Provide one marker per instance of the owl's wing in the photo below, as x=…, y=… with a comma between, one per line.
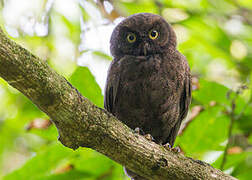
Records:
x=185, y=100
x=111, y=89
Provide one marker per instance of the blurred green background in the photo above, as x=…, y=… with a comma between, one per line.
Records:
x=73, y=38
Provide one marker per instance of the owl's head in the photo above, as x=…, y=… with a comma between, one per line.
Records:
x=142, y=35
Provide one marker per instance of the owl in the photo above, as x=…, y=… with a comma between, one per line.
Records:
x=149, y=82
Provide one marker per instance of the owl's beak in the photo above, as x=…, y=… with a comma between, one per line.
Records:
x=145, y=48
x=145, y=51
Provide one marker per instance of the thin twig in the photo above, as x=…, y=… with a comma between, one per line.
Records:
x=160, y=6
x=232, y=116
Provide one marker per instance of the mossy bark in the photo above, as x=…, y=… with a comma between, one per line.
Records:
x=81, y=124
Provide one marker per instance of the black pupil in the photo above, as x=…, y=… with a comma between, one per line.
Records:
x=131, y=37
x=153, y=33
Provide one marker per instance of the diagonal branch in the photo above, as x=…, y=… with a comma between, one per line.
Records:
x=82, y=124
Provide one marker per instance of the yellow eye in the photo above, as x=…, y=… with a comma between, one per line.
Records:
x=153, y=34
x=131, y=37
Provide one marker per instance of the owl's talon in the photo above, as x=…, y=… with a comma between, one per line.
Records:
x=139, y=131
x=167, y=146
x=176, y=149
x=149, y=137
x=170, y=148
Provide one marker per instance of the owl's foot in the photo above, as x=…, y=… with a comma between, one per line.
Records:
x=149, y=137
x=168, y=147
x=138, y=130
x=141, y=132
x=176, y=149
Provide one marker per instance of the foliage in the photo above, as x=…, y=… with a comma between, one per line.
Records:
x=216, y=38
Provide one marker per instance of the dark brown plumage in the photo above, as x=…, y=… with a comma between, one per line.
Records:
x=149, y=82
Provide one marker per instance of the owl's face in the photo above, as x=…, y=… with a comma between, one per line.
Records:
x=142, y=34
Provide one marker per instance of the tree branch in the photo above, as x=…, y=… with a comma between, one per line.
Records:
x=82, y=124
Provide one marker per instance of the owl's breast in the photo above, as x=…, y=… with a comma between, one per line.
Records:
x=145, y=82
x=139, y=67
x=147, y=93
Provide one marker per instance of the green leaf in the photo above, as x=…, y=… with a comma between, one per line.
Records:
x=245, y=3
x=73, y=27
x=42, y=164
x=49, y=134
x=211, y=91
x=240, y=163
x=205, y=133
x=88, y=160
x=138, y=7
x=16, y=111
x=72, y=174
x=85, y=82
x=102, y=55
x=250, y=139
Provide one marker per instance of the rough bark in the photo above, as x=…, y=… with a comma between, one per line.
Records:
x=82, y=124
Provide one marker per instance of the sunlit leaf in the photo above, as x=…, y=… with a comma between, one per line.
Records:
x=85, y=82
x=102, y=55
x=74, y=174
x=211, y=91
x=133, y=7
x=97, y=164
x=42, y=163
x=206, y=132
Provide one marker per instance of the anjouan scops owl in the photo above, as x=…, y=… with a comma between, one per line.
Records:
x=149, y=81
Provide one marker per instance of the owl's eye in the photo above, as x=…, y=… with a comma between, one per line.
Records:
x=131, y=37
x=153, y=34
